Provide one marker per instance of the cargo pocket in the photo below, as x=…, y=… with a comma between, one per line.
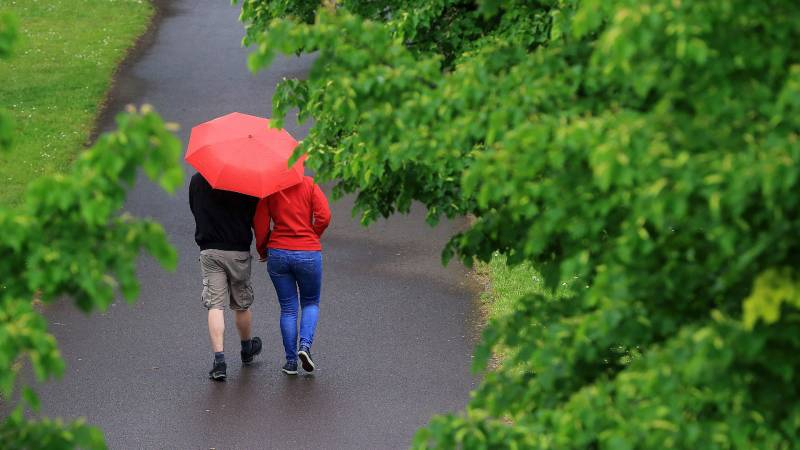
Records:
x=205, y=296
x=244, y=297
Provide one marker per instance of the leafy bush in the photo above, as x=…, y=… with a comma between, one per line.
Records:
x=68, y=238
x=644, y=152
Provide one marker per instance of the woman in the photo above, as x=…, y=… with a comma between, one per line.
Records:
x=299, y=216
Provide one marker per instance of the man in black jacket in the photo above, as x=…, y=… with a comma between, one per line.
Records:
x=223, y=221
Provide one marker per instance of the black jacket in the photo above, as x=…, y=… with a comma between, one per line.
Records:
x=223, y=219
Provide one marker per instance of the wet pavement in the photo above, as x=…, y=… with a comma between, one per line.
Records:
x=394, y=339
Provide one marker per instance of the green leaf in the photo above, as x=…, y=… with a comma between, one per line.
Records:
x=31, y=398
x=772, y=289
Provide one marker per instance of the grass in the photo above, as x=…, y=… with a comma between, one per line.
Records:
x=57, y=79
x=505, y=285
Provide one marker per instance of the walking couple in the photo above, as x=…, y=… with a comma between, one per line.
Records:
x=224, y=226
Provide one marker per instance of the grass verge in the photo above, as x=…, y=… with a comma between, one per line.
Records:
x=504, y=285
x=56, y=81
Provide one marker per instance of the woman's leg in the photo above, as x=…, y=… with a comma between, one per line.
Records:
x=308, y=272
x=286, y=289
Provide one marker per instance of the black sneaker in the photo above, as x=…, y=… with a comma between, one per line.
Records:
x=290, y=368
x=255, y=348
x=305, y=358
x=219, y=371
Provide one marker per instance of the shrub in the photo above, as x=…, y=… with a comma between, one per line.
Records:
x=644, y=152
x=68, y=239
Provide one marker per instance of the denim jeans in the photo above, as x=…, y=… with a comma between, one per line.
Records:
x=292, y=271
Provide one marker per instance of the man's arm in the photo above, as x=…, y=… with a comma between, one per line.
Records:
x=261, y=221
x=192, y=188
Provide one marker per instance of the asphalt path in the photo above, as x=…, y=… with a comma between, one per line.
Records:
x=396, y=329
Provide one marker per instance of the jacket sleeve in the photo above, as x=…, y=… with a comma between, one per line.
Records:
x=261, y=221
x=191, y=196
x=321, y=210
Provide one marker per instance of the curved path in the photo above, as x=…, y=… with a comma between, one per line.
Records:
x=394, y=339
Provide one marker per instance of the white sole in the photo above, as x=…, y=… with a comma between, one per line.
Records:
x=289, y=372
x=306, y=360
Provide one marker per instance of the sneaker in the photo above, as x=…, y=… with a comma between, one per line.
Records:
x=305, y=358
x=218, y=372
x=290, y=368
x=255, y=349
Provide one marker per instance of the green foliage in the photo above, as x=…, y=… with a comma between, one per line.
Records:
x=259, y=13
x=68, y=238
x=86, y=239
x=18, y=433
x=771, y=290
x=645, y=153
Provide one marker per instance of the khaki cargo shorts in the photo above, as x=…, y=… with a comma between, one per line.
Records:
x=226, y=278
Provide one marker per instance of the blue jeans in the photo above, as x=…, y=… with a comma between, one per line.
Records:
x=292, y=271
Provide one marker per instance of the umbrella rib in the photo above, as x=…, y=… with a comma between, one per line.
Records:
x=219, y=175
x=264, y=182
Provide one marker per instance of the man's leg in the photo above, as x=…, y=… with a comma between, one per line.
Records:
x=215, y=291
x=243, y=324
x=241, y=290
x=216, y=328
x=216, y=331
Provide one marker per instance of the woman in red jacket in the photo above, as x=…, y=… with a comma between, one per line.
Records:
x=292, y=249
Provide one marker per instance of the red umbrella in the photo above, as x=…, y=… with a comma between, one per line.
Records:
x=239, y=152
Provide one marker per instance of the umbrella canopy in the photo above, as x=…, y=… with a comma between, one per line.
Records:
x=239, y=152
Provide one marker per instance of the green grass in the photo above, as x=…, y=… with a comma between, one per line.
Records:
x=504, y=285
x=57, y=79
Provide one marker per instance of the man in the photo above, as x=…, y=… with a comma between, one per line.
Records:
x=222, y=231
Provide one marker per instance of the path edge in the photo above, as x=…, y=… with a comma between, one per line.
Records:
x=105, y=113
